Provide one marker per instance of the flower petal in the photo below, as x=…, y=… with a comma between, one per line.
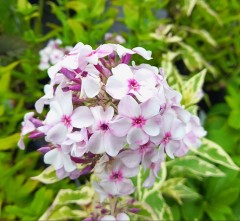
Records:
x=57, y=134
x=82, y=117
x=150, y=108
x=152, y=126
x=116, y=87
x=137, y=136
x=129, y=107
x=120, y=127
x=113, y=144
x=91, y=86
x=96, y=143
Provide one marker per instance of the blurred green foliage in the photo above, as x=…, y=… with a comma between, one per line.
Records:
x=187, y=37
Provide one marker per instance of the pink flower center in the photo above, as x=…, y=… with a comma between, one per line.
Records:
x=104, y=126
x=138, y=121
x=166, y=138
x=133, y=84
x=66, y=120
x=84, y=74
x=116, y=176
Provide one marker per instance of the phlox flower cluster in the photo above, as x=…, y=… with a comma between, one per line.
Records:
x=52, y=54
x=109, y=117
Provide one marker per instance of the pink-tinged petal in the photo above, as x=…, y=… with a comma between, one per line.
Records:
x=171, y=148
x=64, y=99
x=53, y=157
x=125, y=187
x=92, y=59
x=100, y=115
x=27, y=128
x=152, y=126
x=52, y=71
x=55, y=114
x=91, y=86
x=144, y=93
x=167, y=121
x=157, y=139
x=123, y=217
x=21, y=144
x=122, y=50
x=110, y=187
x=143, y=52
x=104, y=50
x=70, y=62
x=178, y=130
x=137, y=136
x=39, y=105
x=122, y=71
x=96, y=143
x=113, y=144
x=145, y=77
x=69, y=166
x=130, y=158
x=130, y=172
x=129, y=107
x=116, y=87
x=149, y=181
x=82, y=117
x=120, y=126
x=101, y=192
x=57, y=134
x=108, y=218
x=150, y=108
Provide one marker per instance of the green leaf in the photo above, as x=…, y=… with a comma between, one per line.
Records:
x=196, y=166
x=189, y=6
x=215, y=153
x=204, y=35
x=48, y=176
x=9, y=142
x=192, y=210
x=192, y=89
x=80, y=197
x=66, y=213
x=175, y=188
x=207, y=9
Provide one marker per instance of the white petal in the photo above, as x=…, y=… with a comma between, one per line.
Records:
x=39, y=105
x=54, y=158
x=178, y=130
x=129, y=107
x=96, y=143
x=100, y=115
x=152, y=126
x=143, y=52
x=122, y=50
x=130, y=158
x=91, y=86
x=82, y=117
x=123, y=217
x=55, y=114
x=108, y=218
x=52, y=71
x=150, y=108
x=122, y=71
x=69, y=166
x=113, y=144
x=57, y=134
x=116, y=87
x=171, y=148
x=137, y=136
x=64, y=99
x=120, y=126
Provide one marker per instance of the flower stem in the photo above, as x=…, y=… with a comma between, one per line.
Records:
x=113, y=205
